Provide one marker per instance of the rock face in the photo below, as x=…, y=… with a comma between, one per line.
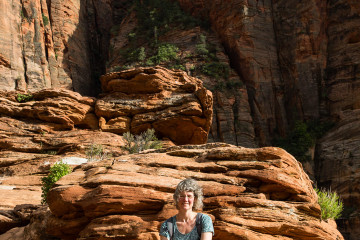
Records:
x=41, y=50
x=287, y=60
x=176, y=105
x=338, y=168
x=56, y=106
x=258, y=193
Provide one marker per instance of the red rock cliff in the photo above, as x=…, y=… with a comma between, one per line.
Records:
x=286, y=60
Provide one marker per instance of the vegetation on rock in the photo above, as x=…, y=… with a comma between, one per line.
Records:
x=302, y=137
x=57, y=171
x=96, y=152
x=21, y=98
x=145, y=47
x=138, y=143
x=330, y=203
x=45, y=20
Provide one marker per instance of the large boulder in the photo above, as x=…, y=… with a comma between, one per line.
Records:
x=249, y=193
x=176, y=105
x=59, y=108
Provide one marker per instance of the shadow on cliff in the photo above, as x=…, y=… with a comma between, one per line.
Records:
x=86, y=50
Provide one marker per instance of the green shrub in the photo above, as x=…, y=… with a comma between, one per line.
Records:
x=156, y=17
x=216, y=69
x=57, y=171
x=298, y=142
x=201, y=48
x=96, y=152
x=177, y=66
x=302, y=137
x=330, y=203
x=165, y=54
x=21, y=98
x=138, y=143
x=45, y=20
x=50, y=152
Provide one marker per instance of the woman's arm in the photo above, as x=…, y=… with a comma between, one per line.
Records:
x=165, y=238
x=206, y=236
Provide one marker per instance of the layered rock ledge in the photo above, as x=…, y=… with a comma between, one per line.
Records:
x=175, y=104
x=249, y=193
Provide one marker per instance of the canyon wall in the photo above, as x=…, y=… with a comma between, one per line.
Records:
x=287, y=61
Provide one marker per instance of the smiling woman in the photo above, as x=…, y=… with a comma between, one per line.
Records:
x=187, y=224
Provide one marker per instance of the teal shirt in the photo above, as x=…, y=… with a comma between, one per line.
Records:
x=207, y=226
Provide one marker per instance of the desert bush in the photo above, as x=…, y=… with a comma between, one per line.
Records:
x=165, y=53
x=156, y=17
x=21, y=98
x=45, y=20
x=138, y=143
x=96, y=152
x=201, y=47
x=216, y=69
x=57, y=171
x=302, y=137
x=330, y=203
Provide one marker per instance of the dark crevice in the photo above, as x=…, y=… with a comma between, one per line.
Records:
x=23, y=46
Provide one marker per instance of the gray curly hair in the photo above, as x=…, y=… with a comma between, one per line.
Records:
x=189, y=185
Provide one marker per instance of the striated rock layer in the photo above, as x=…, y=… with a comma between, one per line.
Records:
x=40, y=49
x=297, y=60
x=176, y=105
x=249, y=193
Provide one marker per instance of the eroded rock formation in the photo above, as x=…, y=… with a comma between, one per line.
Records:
x=290, y=60
x=176, y=105
x=254, y=193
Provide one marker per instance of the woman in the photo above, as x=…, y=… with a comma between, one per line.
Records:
x=187, y=225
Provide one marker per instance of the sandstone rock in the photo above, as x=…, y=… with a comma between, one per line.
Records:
x=28, y=149
x=41, y=50
x=259, y=193
x=176, y=105
x=338, y=168
x=62, y=107
x=246, y=31
x=19, y=216
x=232, y=122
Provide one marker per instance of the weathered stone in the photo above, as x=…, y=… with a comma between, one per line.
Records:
x=62, y=107
x=132, y=197
x=338, y=168
x=176, y=105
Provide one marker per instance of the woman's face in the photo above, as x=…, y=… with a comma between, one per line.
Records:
x=186, y=200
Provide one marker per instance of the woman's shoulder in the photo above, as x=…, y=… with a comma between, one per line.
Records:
x=205, y=217
x=169, y=220
x=207, y=224
x=164, y=230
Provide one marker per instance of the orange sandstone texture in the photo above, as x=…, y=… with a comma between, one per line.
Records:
x=249, y=193
x=176, y=105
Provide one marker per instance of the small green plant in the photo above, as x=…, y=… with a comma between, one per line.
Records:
x=21, y=98
x=156, y=17
x=201, y=48
x=96, y=152
x=138, y=143
x=132, y=36
x=165, y=54
x=45, y=20
x=302, y=137
x=57, y=171
x=50, y=152
x=216, y=69
x=330, y=203
x=22, y=14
